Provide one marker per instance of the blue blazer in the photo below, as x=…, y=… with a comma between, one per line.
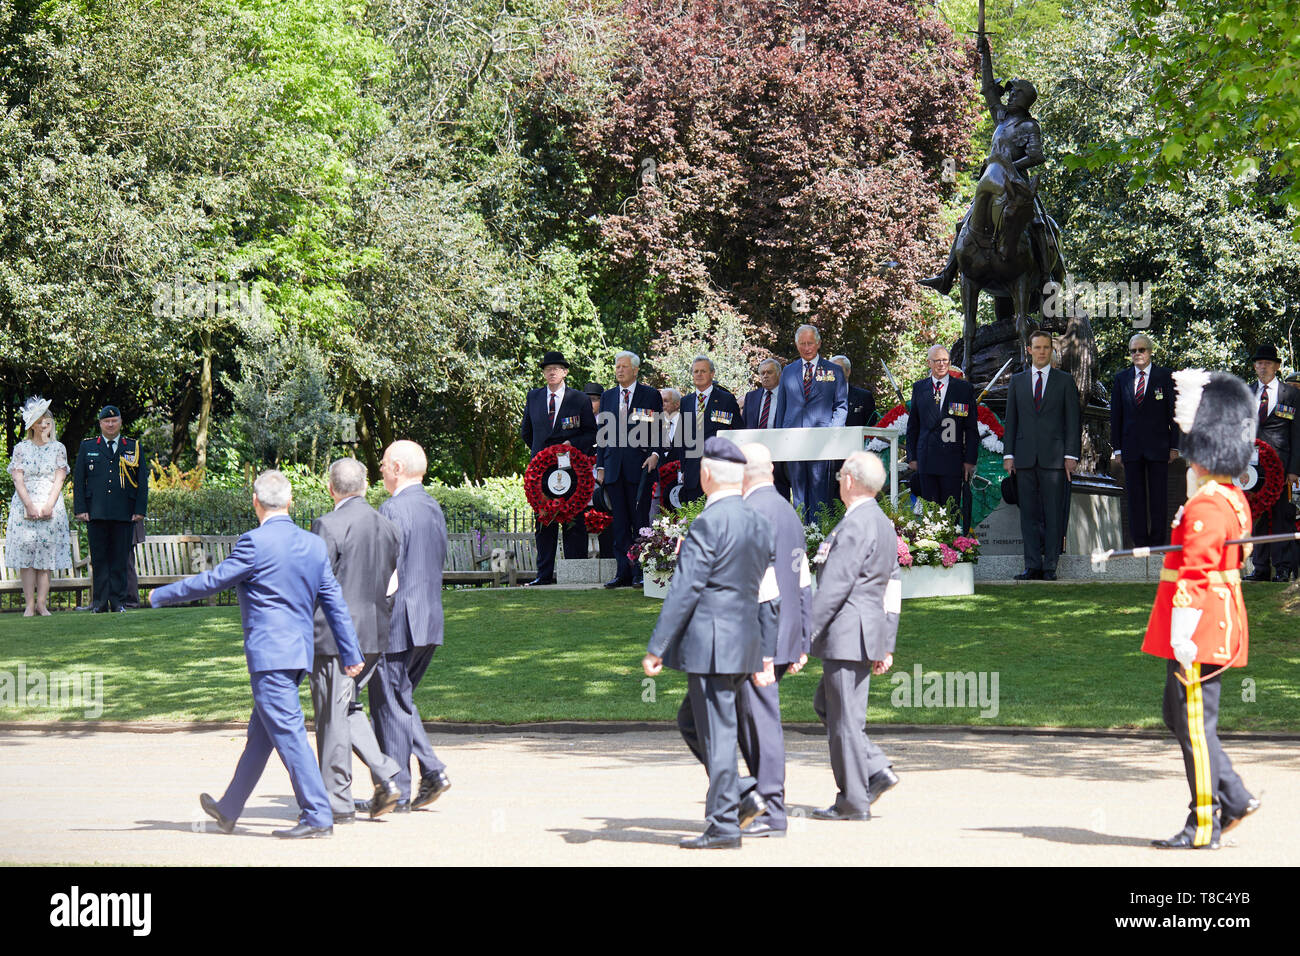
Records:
x=1147, y=430
x=828, y=401
x=279, y=570
x=754, y=407
x=927, y=424
x=416, y=620
x=620, y=461
x=722, y=413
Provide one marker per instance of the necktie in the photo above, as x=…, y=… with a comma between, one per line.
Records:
x=767, y=407
x=938, y=391
x=1141, y=388
x=551, y=409
x=1038, y=392
x=807, y=380
x=1263, y=404
x=626, y=400
x=699, y=413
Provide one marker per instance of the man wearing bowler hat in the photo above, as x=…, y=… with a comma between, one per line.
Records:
x=556, y=415
x=1276, y=407
x=110, y=491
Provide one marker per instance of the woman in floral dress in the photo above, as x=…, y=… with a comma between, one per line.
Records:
x=36, y=540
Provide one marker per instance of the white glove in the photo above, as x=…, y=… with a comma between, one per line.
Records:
x=1182, y=625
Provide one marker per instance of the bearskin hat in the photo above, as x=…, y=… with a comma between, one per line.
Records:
x=1217, y=416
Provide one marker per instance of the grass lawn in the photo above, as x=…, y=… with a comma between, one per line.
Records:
x=1065, y=655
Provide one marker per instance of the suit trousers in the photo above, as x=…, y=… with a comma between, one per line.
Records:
x=941, y=487
x=1042, y=515
x=810, y=486
x=762, y=744
x=342, y=727
x=1146, y=484
x=398, y=726
x=277, y=724
x=1192, y=713
x=630, y=516
x=110, y=550
x=841, y=704
x=1281, y=556
x=707, y=720
x=547, y=537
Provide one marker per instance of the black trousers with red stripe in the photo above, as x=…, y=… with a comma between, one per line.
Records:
x=1192, y=713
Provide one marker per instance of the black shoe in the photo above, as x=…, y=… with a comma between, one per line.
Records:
x=940, y=283
x=752, y=806
x=708, y=840
x=831, y=813
x=638, y=582
x=1030, y=574
x=1183, y=841
x=432, y=786
x=1258, y=575
x=403, y=806
x=224, y=823
x=1282, y=577
x=386, y=796
x=536, y=581
x=880, y=781
x=761, y=829
x=304, y=831
x=618, y=583
x=1049, y=575
x=344, y=818
x=1227, y=821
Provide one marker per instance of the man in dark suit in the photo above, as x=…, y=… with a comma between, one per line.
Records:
x=110, y=491
x=415, y=626
x=706, y=410
x=943, y=439
x=557, y=415
x=1145, y=440
x=1279, y=427
x=762, y=741
x=713, y=629
x=1041, y=448
x=362, y=546
x=761, y=407
x=814, y=394
x=854, y=627
x=627, y=455
x=862, y=401
x=279, y=572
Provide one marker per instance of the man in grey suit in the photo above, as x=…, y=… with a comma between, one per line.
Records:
x=762, y=741
x=362, y=546
x=1041, y=448
x=415, y=626
x=713, y=629
x=854, y=627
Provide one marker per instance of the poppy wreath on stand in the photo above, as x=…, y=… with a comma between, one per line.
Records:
x=1264, y=482
x=555, y=493
x=668, y=474
x=597, y=521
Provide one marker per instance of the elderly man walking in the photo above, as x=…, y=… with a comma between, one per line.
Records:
x=279, y=571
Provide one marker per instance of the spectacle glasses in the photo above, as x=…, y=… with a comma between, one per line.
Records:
x=1136, y=351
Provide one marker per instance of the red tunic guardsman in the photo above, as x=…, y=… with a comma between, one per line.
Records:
x=1198, y=623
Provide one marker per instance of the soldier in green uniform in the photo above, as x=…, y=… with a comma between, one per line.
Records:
x=110, y=491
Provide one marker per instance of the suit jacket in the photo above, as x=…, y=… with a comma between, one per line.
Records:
x=828, y=399
x=98, y=485
x=1145, y=431
x=416, y=620
x=791, y=569
x=575, y=423
x=362, y=546
x=754, y=407
x=1041, y=438
x=862, y=407
x=1282, y=427
x=620, y=459
x=711, y=621
x=851, y=620
x=722, y=413
x=928, y=424
x=279, y=571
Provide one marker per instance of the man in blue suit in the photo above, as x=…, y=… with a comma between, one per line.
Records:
x=414, y=627
x=706, y=410
x=627, y=454
x=1145, y=440
x=814, y=394
x=279, y=570
x=943, y=439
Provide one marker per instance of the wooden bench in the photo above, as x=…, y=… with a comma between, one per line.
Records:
x=165, y=558
x=470, y=558
x=75, y=578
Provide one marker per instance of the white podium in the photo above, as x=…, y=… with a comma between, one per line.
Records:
x=820, y=444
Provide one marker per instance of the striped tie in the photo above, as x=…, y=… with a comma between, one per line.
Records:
x=767, y=407
x=699, y=413
x=1038, y=393
x=807, y=380
x=1263, y=405
x=1142, y=387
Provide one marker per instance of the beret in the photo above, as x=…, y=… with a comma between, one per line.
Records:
x=721, y=449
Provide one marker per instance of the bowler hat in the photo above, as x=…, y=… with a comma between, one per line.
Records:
x=1009, y=493
x=554, y=358
x=1268, y=352
x=593, y=388
x=109, y=411
x=600, y=500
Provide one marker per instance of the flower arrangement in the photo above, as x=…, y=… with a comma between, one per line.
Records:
x=931, y=538
x=656, y=547
x=567, y=507
x=597, y=522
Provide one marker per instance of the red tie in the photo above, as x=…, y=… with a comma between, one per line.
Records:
x=1142, y=387
x=767, y=407
x=807, y=380
x=1038, y=392
x=1263, y=404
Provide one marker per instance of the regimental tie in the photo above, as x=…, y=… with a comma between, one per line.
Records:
x=807, y=380
x=699, y=413
x=551, y=409
x=1263, y=404
x=1141, y=392
x=626, y=400
x=1038, y=392
x=767, y=407
x=938, y=392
